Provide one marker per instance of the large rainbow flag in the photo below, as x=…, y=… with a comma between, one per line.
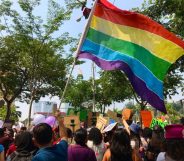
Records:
x=132, y=42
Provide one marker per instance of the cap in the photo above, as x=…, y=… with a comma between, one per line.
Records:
x=135, y=128
x=175, y=131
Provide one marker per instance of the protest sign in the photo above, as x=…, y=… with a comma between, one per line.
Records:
x=54, y=108
x=92, y=118
x=72, y=122
x=101, y=122
x=127, y=114
x=83, y=115
x=146, y=118
x=157, y=122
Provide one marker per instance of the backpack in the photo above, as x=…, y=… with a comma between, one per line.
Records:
x=16, y=156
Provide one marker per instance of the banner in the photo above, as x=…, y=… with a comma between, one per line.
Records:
x=146, y=118
x=157, y=122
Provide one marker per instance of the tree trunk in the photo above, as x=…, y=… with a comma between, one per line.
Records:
x=30, y=109
x=8, y=112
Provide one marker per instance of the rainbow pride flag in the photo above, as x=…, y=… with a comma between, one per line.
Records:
x=131, y=42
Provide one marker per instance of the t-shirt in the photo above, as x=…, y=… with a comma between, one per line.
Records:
x=1, y=148
x=80, y=153
x=57, y=152
x=98, y=149
x=163, y=157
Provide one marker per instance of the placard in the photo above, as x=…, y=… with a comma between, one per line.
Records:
x=72, y=122
x=101, y=122
x=54, y=108
x=92, y=118
x=83, y=115
x=127, y=114
x=146, y=117
x=157, y=122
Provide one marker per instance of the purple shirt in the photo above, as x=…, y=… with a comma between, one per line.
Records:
x=80, y=153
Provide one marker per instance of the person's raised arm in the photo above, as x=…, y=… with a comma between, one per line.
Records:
x=62, y=128
x=126, y=125
x=2, y=156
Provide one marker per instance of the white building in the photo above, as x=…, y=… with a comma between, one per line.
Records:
x=46, y=107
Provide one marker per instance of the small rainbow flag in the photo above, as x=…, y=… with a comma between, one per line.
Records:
x=131, y=42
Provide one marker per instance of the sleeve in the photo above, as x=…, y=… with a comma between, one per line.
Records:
x=1, y=148
x=37, y=159
x=92, y=156
x=63, y=144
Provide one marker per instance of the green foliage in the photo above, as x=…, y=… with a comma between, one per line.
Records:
x=78, y=92
x=15, y=115
x=33, y=61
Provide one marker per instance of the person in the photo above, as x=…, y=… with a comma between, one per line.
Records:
x=80, y=151
x=95, y=142
x=1, y=153
x=155, y=144
x=25, y=148
x=42, y=135
x=120, y=148
x=135, y=141
x=145, y=138
x=6, y=138
x=174, y=144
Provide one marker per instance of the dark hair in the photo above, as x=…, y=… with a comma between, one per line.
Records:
x=23, y=128
x=174, y=149
x=23, y=141
x=80, y=137
x=42, y=133
x=69, y=132
x=147, y=132
x=95, y=135
x=120, y=146
x=1, y=132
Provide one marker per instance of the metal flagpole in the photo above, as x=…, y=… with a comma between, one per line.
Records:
x=78, y=50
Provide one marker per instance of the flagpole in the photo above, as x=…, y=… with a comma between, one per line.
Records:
x=78, y=50
x=93, y=85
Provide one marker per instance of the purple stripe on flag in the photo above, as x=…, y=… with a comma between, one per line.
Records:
x=138, y=84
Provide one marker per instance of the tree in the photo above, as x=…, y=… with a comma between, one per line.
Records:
x=112, y=86
x=32, y=64
x=78, y=92
x=15, y=115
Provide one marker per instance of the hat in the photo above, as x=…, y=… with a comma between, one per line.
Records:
x=174, y=131
x=135, y=128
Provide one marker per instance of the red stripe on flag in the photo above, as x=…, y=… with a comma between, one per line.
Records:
x=111, y=13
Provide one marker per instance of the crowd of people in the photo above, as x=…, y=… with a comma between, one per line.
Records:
x=44, y=143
